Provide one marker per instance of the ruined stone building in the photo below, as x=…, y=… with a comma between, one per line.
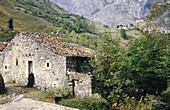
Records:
x=52, y=62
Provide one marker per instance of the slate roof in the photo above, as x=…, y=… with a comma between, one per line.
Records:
x=59, y=47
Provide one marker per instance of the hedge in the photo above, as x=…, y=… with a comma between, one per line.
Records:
x=86, y=103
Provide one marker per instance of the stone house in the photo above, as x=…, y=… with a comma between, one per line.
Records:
x=53, y=63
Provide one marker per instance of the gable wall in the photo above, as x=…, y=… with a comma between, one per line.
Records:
x=24, y=49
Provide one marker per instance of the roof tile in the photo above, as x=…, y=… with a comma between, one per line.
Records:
x=59, y=47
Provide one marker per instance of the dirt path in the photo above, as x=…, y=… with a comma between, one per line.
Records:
x=29, y=104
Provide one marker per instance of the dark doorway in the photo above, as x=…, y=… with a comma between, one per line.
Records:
x=30, y=67
x=30, y=74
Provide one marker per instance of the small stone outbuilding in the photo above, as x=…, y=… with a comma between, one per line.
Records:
x=53, y=63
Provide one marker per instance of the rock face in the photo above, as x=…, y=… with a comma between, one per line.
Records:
x=2, y=85
x=110, y=12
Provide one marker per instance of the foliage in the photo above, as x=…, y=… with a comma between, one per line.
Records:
x=59, y=92
x=166, y=95
x=87, y=103
x=158, y=8
x=92, y=27
x=106, y=26
x=110, y=68
x=6, y=35
x=46, y=15
x=133, y=104
x=148, y=63
x=131, y=25
x=123, y=34
x=10, y=24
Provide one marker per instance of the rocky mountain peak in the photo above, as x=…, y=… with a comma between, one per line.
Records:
x=110, y=12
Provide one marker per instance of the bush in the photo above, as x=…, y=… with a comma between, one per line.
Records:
x=106, y=26
x=131, y=25
x=123, y=34
x=87, y=103
x=166, y=95
x=59, y=92
x=133, y=104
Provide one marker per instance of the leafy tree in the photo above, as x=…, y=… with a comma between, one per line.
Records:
x=158, y=8
x=92, y=27
x=148, y=63
x=61, y=29
x=60, y=20
x=106, y=26
x=72, y=27
x=100, y=35
x=131, y=25
x=73, y=33
x=123, y=34
x=10, y=24
x=109, y=65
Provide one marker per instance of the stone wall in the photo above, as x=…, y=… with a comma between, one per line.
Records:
x=78, y=64
x=80, y=84
x=5, y=64
x=22, y=50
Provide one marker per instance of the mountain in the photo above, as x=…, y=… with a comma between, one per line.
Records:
x=108, y=12
x=40, y=16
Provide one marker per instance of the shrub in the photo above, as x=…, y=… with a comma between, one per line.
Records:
x=133, y=104
x=59, y=92
x=166, y=95
x=87, y=103
x=123, y=34
x=106, y=26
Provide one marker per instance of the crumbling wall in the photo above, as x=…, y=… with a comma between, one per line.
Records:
x=80, y=84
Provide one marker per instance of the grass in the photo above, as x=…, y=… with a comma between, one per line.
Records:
x=36, y=94
x=24, y=21
x=38, y=23
x=32, y=93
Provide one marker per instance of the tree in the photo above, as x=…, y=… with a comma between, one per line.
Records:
x=147, y=61
x=60, y=20
x=73, y=33
x=106, y=26
x=158, y=8
x=10, y=24
x=123, y=34
x=109, y=65
x=131, y=25
x=92, y=27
